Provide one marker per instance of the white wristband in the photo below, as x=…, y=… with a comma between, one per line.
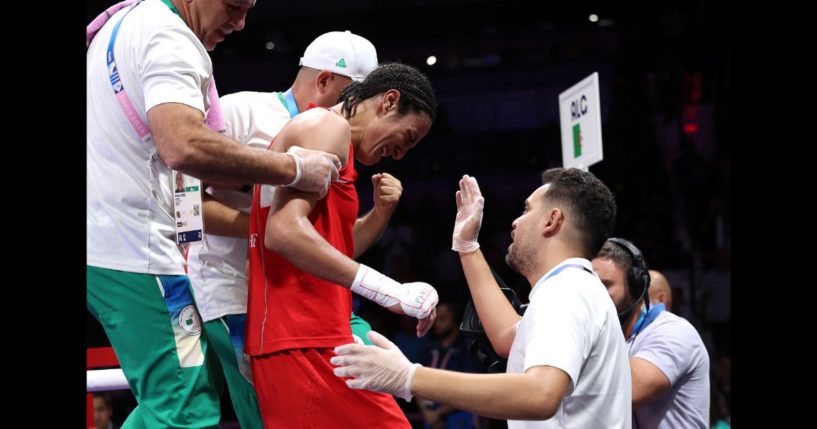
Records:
x=298, y=170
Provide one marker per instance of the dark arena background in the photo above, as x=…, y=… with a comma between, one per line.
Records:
x=497, y=70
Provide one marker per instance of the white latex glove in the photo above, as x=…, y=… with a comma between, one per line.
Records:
x=379, y=368
x=416, y=299
x=314, y=170
x=469, y=216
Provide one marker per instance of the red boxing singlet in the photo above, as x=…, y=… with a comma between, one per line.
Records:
x=289, y=308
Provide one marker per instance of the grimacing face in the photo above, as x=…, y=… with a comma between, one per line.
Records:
x=392, y=135
x=614, y=279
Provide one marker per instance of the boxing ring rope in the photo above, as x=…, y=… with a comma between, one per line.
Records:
x=101, y=380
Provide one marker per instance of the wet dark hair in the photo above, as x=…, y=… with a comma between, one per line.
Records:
x=416, y=94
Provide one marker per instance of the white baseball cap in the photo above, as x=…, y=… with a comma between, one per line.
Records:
x=343, y=53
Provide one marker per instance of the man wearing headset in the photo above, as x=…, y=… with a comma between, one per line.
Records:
x=668, y=360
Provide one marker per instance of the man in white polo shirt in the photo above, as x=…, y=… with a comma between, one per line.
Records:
x=567, y=365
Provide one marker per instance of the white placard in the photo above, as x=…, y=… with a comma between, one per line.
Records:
x=580, y=121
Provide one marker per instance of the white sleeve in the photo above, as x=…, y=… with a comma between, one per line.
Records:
x=561, y=333
x=250, y=118
x=174, y=69
x=237, y=119
x=669, y=347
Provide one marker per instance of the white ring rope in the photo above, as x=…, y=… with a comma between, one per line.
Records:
x=106, y=379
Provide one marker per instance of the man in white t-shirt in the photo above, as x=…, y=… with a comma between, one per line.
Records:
x=668, y=360
x=567, y=363
x=217, y=268
x=148, y=82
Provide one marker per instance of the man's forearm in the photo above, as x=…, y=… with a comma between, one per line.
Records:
x=185, y=144
x=503, y=396
x=495, y=312
x=218, y=159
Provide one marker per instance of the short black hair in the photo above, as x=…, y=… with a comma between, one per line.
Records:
x=588, y=199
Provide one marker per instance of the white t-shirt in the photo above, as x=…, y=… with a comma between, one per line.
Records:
x=130, y=224
x=571, y=324
x=674, y=346
x=218, y=267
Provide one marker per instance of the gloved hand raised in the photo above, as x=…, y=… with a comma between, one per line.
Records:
x=469, y=216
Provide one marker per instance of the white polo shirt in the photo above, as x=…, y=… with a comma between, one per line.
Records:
x=571, y=324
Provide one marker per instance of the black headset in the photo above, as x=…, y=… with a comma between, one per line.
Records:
x=638, y=276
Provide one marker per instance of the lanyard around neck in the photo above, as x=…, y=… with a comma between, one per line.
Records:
x=172, y=7
x=646, y=318
x=563, y=267
x=288, y=100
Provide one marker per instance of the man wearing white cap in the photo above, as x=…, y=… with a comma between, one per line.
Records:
x=217, y=268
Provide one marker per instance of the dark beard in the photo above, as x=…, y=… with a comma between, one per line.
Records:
x=624, y=304
x=626, y=310
x=517, y=263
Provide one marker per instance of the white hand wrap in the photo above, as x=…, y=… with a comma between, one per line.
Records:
x=417, y=299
